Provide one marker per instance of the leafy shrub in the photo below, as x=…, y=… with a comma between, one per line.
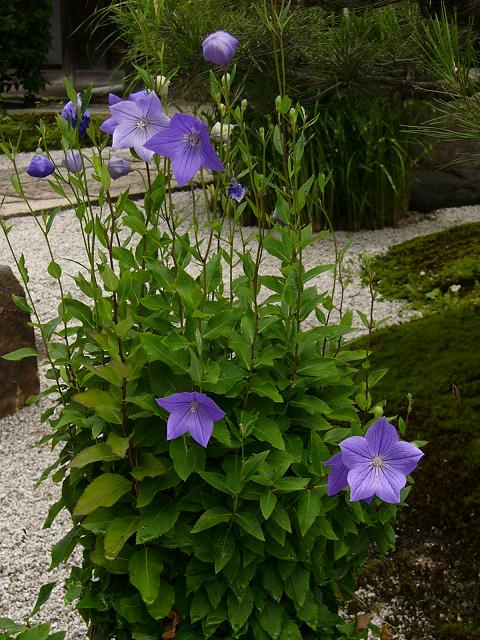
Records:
x=24, y=43
x=238, y=538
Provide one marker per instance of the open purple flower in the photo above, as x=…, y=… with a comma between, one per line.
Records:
x=220, y=48
x=69, y=113
x=337, y=478
x=40, y=166
x=186, y=141
x=236, y=191
x=379, y=463
x=108, y=125
x=192, y=413
x=133, y=122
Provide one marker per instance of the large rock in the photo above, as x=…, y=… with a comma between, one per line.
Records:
x=18, y=380
x=447, y=177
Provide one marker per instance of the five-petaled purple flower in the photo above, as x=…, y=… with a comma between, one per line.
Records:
x=375, y=465
x=192, y=413
x=108, y=125
x=236, y=191
x=186, y=141
x=220, y=48
x=69, y=113
x=135, y=121
x=40, y=166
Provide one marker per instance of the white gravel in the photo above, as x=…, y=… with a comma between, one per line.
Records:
x=24, y=546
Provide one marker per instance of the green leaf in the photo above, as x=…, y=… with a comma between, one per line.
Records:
x=318, y=454
x=271, y=619
x=157, y=348
x=291, y=484
x=150, y=466
x=271, y=581
x=103, y=491
x=94, y=397
x=117, y=533
x=224, y=553
x=298, y=587
x=312, y=405
x=309, y=508
x=268, y=501
x=159, y=517
x=145, y=567
x=100, y=451
x=38, y=632
x=268, y=431
x=290, y=631
x=326, y=530
x=211, y=517
x=218, y=481
x=250, y=524
x=43, y=596
x=239, y=610
x=98, y=521
x=20, y=354
x=186, y=456
x=63, y=549
x=6, y=624
x=118, y=444
x=163, y=603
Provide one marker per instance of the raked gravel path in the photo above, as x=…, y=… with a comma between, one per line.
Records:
x=24, y=545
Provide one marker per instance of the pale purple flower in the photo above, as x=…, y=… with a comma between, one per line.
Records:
x=69, y=113
x=40, y=166
x=220, y=48
x=108, y=125
x=136, y=121
x=192, y=413
x=118, y=167
x=379, y=463
x=72, y=160
x=337, y=478
x=186, y=141
x=236, y=191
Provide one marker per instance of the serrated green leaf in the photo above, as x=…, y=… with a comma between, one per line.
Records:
x=95, y=453
x=212, y=517
x=103, y=491
x=250, y=524
x=239, y=611
x=144, y=568
x=156, y=519
x=186, y=456
x=268, y=431
x=117, y=534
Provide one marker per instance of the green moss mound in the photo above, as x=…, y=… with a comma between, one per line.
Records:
x=22, y=128
x=423, y=270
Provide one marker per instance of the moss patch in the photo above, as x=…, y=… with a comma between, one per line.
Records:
x=435, y=569
x=23, y=126
x=413, y=270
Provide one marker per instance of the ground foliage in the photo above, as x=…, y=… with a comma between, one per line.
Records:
x=424, y=270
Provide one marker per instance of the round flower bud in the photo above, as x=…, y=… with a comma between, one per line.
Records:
x=69, y=113
x=220, y=48
x=292, y=114
x=222, y=108
x=226, y=80
x=243, y=104
x=118, y=167
x=72, y=161
x=40, y=166
x=221, y=132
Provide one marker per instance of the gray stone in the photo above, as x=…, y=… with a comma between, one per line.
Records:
x=447, y=177
x=18, y=380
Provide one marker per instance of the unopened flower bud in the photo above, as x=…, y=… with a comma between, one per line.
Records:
x=278, y=102
x=261, y=133
x=118, y=167
x=243, y=104
x=292, y=115
x=222, y=108
x=218, y=97
x=72, y=161
x=161, y=86
x=221, y=132
x=226, y=80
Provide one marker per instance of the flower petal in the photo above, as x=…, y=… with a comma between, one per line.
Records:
x=126, y=112
x=391, y=482
x=403, y=457
x=337, y=477
x=143, y=153
x=125, y=136
x=186, y=164
x=363, y=481
x=166, y=142
x=176, y=401
x=355, y=451
x=201, y=426
x=178, y=423
x=381, y=436
x=209, y=406
x=210, y=160
x=108, y=125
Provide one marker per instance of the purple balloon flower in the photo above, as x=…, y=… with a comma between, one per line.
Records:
x=118, y=167
x=108, y=125
x=236, y=191
x=69, y=113
x=379, y=463
x=136, y=121
x=72, y=160
x=220, y=48
x=337, y=478
x=186, y=141
x=192, y=413
x=40, y=166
